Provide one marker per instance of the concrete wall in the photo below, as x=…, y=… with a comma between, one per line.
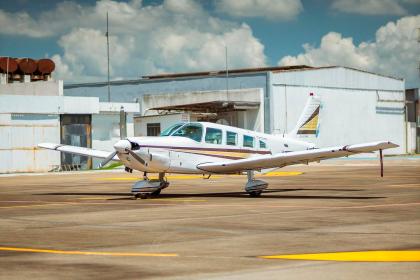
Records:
x=41, y=88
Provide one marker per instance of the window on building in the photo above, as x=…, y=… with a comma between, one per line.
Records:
x=248, y=141
x=193, y=131
x=213, y=136
x=153, y=129
x=231, y=138
x=263, y=145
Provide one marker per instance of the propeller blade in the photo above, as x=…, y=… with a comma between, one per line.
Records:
x=107, y=159
x=136, y=156
x=382, y=163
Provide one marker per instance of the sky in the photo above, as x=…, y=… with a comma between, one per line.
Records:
x=169, y=36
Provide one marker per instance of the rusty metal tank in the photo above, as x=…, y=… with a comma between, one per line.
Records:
x=45, y=66
x=26, y=65
x=8, y=65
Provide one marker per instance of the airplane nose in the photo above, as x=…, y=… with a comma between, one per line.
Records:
x=122, y=145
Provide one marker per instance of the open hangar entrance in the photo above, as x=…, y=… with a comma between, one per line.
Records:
x=242, y=108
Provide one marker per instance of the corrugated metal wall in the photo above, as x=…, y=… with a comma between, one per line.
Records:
x=355, y=106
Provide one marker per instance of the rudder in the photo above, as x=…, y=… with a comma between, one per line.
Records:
x=308, y=123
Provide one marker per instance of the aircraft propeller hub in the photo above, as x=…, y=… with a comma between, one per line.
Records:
x=122, y=146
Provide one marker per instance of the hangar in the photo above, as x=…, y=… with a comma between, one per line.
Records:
x=357, y=106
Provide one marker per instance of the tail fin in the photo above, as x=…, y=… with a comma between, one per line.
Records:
x=309, y=119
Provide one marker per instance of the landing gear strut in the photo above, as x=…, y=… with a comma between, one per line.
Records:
x=254, y=187
x=149, y=187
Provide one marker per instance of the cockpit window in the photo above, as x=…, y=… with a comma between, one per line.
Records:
x=193, y=131
x=168, y=131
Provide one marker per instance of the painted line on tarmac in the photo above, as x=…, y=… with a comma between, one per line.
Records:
x=362, y=256
x=113, y=254
x=158, y=199
x=180, y=200
x=406, y=185
x=93, y=198
x=36, y=205
x=183, y=177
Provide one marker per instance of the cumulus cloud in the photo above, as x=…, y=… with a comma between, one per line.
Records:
x=174, y=36
x=371, y=7
x=395, y=51
x=270, y=9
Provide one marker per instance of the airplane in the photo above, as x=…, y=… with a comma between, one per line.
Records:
x=210, y=148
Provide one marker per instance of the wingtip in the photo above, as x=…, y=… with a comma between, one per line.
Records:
x=50, y=146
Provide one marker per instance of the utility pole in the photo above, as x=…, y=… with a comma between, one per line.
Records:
x=418, y=41
x=227, y=70
x=107, y=47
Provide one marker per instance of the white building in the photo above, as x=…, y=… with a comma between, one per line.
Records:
x=36, y=112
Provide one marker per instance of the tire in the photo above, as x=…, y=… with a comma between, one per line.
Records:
x=255, y=193
x=156, y=193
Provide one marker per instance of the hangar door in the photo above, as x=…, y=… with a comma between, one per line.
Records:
x=76, y=130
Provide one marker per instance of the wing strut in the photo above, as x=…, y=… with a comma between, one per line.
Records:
x=382, y=162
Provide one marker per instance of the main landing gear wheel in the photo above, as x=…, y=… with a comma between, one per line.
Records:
x=255, y=194
x=141, y=195
x=254, y=187
x=156, y=193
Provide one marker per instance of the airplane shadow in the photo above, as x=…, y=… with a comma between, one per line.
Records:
x=268, y=194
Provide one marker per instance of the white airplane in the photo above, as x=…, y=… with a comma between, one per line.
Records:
x=210, y=148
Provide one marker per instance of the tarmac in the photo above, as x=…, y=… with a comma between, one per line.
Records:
x=334, y=220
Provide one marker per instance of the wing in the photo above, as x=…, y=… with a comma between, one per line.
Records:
x=290, y=158
x=77, y=150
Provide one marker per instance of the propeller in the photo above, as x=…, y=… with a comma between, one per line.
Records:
x=382, y=162
x=124, y=146
x=136, y=156
x=108, y=159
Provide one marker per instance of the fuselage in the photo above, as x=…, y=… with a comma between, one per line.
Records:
x=183, y=146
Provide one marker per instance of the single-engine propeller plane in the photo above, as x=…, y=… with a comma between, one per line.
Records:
x=210, y=148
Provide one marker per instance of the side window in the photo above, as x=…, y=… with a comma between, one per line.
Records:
x=263, y=145
x=213, y=136
x=248, y=141
x=231, y=138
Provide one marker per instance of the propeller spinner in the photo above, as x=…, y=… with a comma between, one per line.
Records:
x=124, y=146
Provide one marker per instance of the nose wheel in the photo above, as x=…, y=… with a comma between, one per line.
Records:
x=148, y=188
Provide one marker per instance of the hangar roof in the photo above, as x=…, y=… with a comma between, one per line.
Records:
x=275, y=69
x=233, y=71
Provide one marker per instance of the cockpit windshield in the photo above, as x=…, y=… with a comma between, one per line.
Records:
x=193, y=131
x=171, y=129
